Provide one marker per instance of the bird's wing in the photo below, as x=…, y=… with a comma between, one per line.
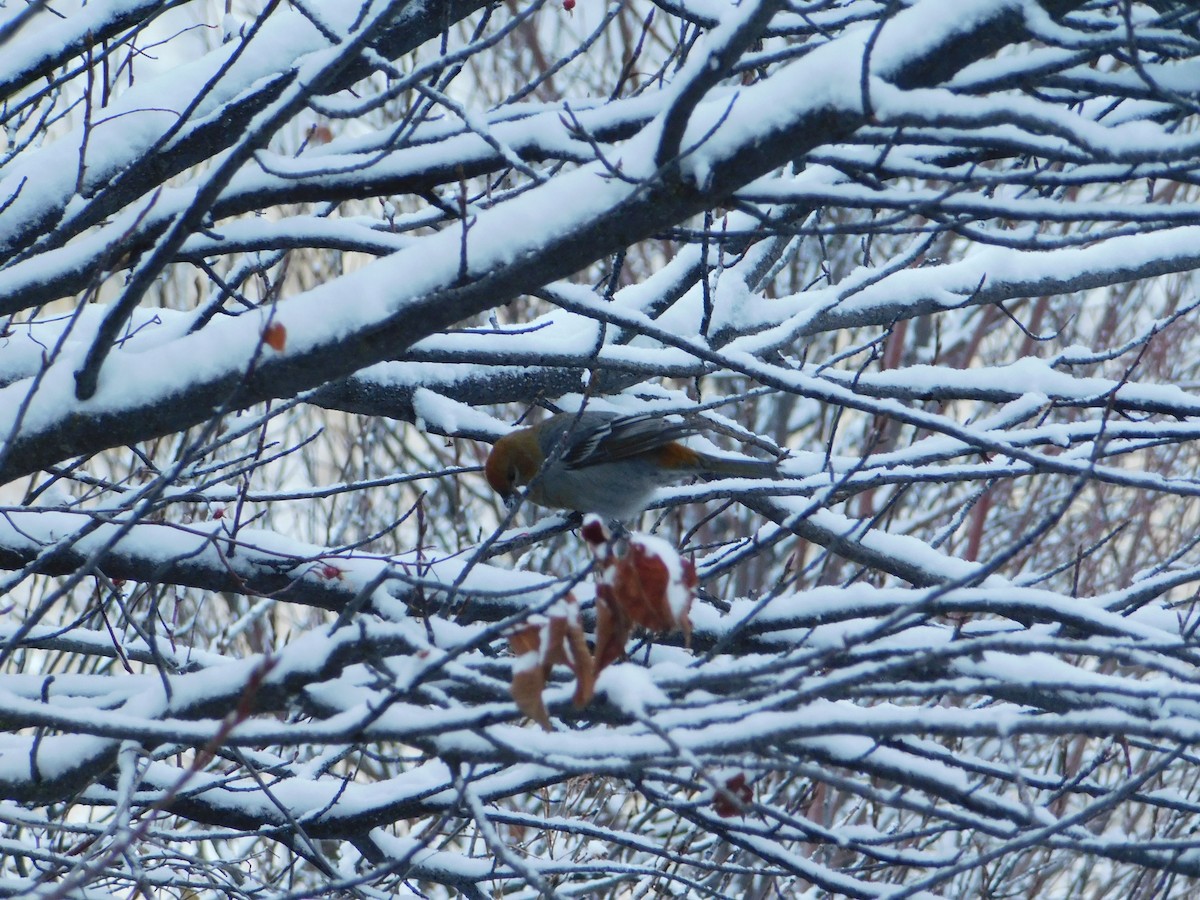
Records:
x=600, y=438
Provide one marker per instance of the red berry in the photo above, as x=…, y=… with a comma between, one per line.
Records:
x=568, y=5
x=329, y=572
x=593, y=530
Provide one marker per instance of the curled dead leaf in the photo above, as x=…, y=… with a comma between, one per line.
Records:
x=654, y=585
x=529, y=673
x=543, y=643
x=613, y=628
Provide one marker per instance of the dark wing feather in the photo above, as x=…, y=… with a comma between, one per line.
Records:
x=606, y=438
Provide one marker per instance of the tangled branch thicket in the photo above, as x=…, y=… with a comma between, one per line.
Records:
x=272, y=277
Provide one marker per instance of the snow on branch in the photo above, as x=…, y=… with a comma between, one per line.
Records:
x=276, y=279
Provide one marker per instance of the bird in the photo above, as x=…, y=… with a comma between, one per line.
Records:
x=606, y=463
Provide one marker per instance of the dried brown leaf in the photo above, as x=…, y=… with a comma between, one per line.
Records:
x=654, y=585
x=275, y=336
x=529, y=673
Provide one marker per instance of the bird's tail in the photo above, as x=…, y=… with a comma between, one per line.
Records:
x=735, y=467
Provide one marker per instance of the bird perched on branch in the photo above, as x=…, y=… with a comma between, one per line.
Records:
x=605, y=463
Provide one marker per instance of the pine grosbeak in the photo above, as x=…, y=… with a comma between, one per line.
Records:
x=605, y=463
